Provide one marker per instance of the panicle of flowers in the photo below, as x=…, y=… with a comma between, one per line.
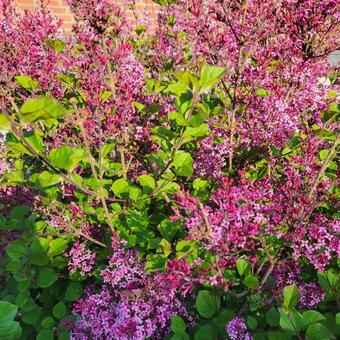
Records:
x=131, y=304
x=81, y=259
x=237, y=330
x=285, y=273
x=98, y=15
x=321, y=241
x=24, y=47
x=212, y=155
x=107, y=71
x=310, y=295
x=124, y=272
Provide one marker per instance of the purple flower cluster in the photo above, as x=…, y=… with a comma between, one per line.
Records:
x=237, y=330
x=132, y=304
x=310, y=295
x=81, y=259
x=11, y=196
x=211, y=158
x=124, y=272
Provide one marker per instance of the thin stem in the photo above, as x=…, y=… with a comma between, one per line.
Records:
x=92, y=239
x=95, y=175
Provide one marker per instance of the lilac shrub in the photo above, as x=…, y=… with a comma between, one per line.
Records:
x=170, y=181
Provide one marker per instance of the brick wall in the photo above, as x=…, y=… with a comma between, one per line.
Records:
x=144, y=8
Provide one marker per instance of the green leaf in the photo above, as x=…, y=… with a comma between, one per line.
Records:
x=168, y=229
x=165, y=247
x=251, y=322
x=41, y=108
x=66, y=157
x=183, y=164
x=15, y=250
x=279, y=335
x=45, y=334
x=46, y=277
x=73, y=291
x=207, y=303
x=206, y=332
x=155, y=263
x=291, y=296
x=56, y=44
x=333, y=106
x=139, y=29
x=337, y=318
x=22, y=298
x=33, y=138
x=333, y=277
x=27, y=82
x=187, y=79
x=20, y=212
x=196, y=132
x=5, y=124
x=200, y=184
x=243, y=266
x=251, y=281
x=292, y=321
x=8, y=312
x=64, y=335
x=311, y=316
x=164, y=3
x=323, y=154
x=11, y=331
x=32, y=316
x=221, y=319
x=120, y=186
x=163, y=132
x=168, y=187
x=210, y=75
x=184, y=248
x=262, y=92
x=177, y=325
x=39, y=245
x=59, y=310
x=147, y=181
x=180, y=336
x=323, y=281
x=273, y=317
x=46, y=179
x=48, y=322
x=57, y=246
x=105, y=95
x=318, y=331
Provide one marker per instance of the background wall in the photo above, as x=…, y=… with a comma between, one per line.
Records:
x=145, y=8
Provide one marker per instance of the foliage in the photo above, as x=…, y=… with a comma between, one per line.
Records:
x=176, y=182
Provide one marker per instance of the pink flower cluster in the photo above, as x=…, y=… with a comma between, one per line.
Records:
x=240, y=213
x=24, y=47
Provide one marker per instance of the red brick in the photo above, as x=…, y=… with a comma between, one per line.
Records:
x=60, y=9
